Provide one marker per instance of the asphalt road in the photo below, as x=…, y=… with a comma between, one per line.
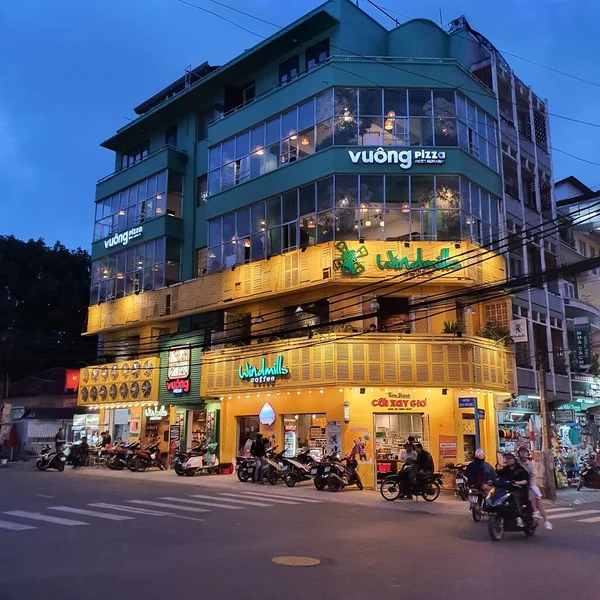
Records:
x=60, y=540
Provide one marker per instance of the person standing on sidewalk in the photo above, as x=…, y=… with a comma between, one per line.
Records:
x=258, y=450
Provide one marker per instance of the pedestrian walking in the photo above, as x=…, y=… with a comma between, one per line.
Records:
x=59, y=439
x=258, y=450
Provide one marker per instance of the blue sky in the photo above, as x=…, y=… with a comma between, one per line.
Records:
x=71, y=71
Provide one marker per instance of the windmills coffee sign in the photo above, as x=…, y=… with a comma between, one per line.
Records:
x=264, y=372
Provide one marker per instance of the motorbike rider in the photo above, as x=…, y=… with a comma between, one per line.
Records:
x=514, y=473
x=535, y=495
x=479, y=472
x=424, y=462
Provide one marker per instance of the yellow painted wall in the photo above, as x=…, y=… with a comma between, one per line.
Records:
x=443, y=417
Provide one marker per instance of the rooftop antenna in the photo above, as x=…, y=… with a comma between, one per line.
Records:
x=441, y=20
x=383, y=11
x=188, y=76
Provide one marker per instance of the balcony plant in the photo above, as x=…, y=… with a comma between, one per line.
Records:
x=452, y=327
x=494, y=331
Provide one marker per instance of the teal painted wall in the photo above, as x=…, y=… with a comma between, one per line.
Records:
x=420, y=38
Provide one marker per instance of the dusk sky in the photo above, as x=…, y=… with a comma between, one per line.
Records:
x=70, y=72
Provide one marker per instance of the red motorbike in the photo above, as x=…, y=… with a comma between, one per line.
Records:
x=149, y=457
x=342, y=475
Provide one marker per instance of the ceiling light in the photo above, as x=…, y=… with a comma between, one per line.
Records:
x=374, y=305
x=368, y=223
x=260, y=152
x=293, y=137
x=121, y=213
x=246, y=242
x=389, y=124
x=212, y=255
x=382, y=223
x=158, y=197
x=311, y=223
x=299, y=310
x=304, y=141
x=258, y=319
x=405, y=207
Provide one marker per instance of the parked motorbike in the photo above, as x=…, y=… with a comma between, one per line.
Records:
x=462, y=487
x=408, y=484
x=50, y=459
x=477, y=503
x=123, y=456
x=589, y=476
x=274, y=465
x=202, y=460
x=505, y=513
x=342, y=475
x=300, y=468
x=149, y=457
x=244, y=467
x=320, y=472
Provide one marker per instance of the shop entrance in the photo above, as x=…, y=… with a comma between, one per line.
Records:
x=391, y=433
x=305, y=431
x=247, y=428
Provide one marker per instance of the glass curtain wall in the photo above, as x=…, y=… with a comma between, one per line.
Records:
x=353, y=207
x=349, y=117
x=152, y=197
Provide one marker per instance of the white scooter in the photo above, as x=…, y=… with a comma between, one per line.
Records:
x=52, y=460
x=202, y=461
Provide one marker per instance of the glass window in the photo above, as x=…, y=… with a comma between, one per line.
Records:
x=369, y=101
x=397, y=190
x=345, y=102
x=274, y=241
x=421, y=132
x=257, y=138
x=306, y=146
x=307, y=199
x=228, y=149
x=421, y=191
x=243, y=222
x=346, y=131
x=346, y=191
x=289, y=123
x=324, y=135
x=257, y=213
x=290, y=206
x=324, y=194
x=242, y=144
x=274, y=211
x=273, y=131
x=447, y=194
x=229, y=227
x=324, y=106
x=306, y=114
x=395, y=102
x=419, y=102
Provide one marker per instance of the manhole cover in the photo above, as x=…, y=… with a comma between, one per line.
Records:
x=296, y=561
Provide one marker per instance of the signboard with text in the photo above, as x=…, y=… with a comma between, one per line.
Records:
x=467, y=402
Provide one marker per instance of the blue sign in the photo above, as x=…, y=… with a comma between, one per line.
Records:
x=467, y=402
x=480, y=413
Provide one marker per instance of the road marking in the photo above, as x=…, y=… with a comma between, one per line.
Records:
x=260, y=496
x=165, y=505
x=40, y=517
x=247, y=502
x=43, y=496
x=15, y=526
x=592, y=520
x=578, y=513
x=283, y=497
x=130, y=509
x=551, y=511
x=144, y=511
x=199, y=502
x=90, y=513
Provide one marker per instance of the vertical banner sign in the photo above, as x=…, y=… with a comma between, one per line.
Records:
x=334, y=436
x=174, y=440
x=583, y=346
x=135, y=423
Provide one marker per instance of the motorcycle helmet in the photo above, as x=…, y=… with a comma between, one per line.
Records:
x=523, y=447
x=480, y=454
x=510, y=455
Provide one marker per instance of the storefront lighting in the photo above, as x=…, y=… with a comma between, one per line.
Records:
x=228, y=397
x=268, y=394
x=428, y=390
x=320, y=391
x=288, y=393
x=414, y=390
x=310, y=391
x=304, y=141
x=221, y=398
x=295, y=416
x=314, y=417
x=238, y=396
x=299, y=310
x=346, y=411
x=533, y=397
x=298, y=392
x=371, y=390
x=247, y=395
x=341, y=390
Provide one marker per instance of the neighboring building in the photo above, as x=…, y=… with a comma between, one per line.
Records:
x=327, y=176
x=579, y=213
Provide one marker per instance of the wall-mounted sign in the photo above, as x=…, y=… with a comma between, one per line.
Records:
x=583, y=346
x=266, y=416
x=518, y=330
x=348, y=262
x=405, y=159
x=398, y=403
x=122, y=239
x=263, y=374
x=443, y=262
x=564, y=416
x=156, y=414
x=178, y=370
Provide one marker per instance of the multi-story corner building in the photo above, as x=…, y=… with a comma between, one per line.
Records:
x=315, y=220
x=579, y=213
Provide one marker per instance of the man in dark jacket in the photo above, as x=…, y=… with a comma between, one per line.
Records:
x=258, y=450
x=480, y=473
x=424, y=461
x=519, y=477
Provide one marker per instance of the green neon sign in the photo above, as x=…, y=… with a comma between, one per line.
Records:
x=263, y=374
x=348, y=262
x=441, y=263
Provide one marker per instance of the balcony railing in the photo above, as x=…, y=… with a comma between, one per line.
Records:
x=373, y=359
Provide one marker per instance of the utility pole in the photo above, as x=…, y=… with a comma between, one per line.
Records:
x=549, y=483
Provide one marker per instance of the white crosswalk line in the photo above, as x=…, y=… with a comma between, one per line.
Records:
x=90, y=513
x=246, y=502
x=579, y=513
x=35, y=516
x=283, y=497
x=592, y=520
x=551, y=511
x=130, y=509
x=202, y=503
x=15, y=526
x=265, y=498
x=165, y=505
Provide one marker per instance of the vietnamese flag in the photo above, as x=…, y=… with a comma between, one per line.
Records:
x=71, y=380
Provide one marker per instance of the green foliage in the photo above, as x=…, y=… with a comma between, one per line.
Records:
x=493, y=331
x=451, y=327
x=44, y=293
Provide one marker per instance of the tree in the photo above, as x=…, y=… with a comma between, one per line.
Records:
x=44, y=292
